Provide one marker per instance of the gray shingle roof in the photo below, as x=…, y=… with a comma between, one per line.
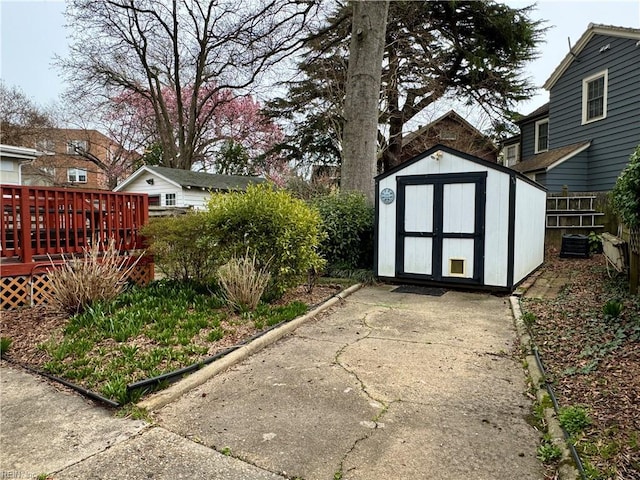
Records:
x=212, y=181
x=538, y=112
x=542, y=161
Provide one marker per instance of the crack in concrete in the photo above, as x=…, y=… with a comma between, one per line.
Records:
x=384, y=405
x=306, y=337
x=336, y=359
x=227, y=452
x=130, y=438
x=366, y=436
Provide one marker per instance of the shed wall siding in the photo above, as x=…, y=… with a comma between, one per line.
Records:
x=387, y=231
x=496, y=233
x=496, y=221
x=614, y=137
x=529, y=229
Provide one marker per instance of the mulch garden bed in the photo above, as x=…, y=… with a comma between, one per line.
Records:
x=30, y=329
x=593, y=359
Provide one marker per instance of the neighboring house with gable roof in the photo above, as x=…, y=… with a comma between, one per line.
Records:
x=172, y=187
x=583, y=137
x=452, y=130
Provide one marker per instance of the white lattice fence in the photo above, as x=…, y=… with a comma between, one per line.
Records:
x=28, y=290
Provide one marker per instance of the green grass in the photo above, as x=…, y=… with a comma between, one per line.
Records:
x=549, y=453
x=146, y=332
x=5, y=344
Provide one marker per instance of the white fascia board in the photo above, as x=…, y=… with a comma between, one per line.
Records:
x=582, y=42
x=20, y=153
x=139, y=172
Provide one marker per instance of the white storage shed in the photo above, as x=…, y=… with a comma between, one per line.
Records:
x=448, y=218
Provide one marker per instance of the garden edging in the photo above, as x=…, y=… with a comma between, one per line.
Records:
x=193, y=380
x=566, y=468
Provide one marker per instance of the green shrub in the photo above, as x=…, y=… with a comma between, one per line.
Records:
x=243, y=282
x=348, y=221
x=595, y=242
x=281, y=231
x=182, y=247
x=625, y=196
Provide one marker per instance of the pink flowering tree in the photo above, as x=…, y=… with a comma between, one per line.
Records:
x=232, y=135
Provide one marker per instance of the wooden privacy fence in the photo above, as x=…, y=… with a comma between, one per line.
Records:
x=41, y=222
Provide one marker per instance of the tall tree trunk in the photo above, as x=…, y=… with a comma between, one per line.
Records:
x=393, y=152
x=362, y=96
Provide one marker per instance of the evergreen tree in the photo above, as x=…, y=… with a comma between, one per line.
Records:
x=474, y=51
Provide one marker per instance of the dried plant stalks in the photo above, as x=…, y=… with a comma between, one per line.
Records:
x=93, y=277
x=243, y=282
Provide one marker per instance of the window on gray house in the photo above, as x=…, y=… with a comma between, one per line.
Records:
x=542, y=136
x=170, y=199
x=594, y=97
x=511, y=155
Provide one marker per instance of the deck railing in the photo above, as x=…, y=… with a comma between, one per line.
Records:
x=51, y=221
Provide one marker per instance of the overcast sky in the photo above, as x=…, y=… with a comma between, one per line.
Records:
x=32, y=32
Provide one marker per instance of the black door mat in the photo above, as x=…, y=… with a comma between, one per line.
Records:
x=431, y=291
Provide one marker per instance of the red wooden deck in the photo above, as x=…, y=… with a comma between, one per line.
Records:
x=38, y=222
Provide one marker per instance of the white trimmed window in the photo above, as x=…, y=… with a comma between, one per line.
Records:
x=594, y=97
x=511, y=154
x=542, y=136
x=46, y=145
x=76, y=175
x=448, y=135
x=170, y=199
x=73, y=144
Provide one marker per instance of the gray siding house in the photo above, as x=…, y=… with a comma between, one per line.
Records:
x=583, y=137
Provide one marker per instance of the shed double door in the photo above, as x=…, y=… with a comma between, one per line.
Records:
x=440, y=227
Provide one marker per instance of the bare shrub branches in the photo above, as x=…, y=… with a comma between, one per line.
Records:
x=243, y=282
x=95, y=276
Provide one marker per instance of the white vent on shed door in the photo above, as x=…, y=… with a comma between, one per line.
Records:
x=457, y=267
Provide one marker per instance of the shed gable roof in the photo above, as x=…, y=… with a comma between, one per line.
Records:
x=459, y=154
x=592, y=30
